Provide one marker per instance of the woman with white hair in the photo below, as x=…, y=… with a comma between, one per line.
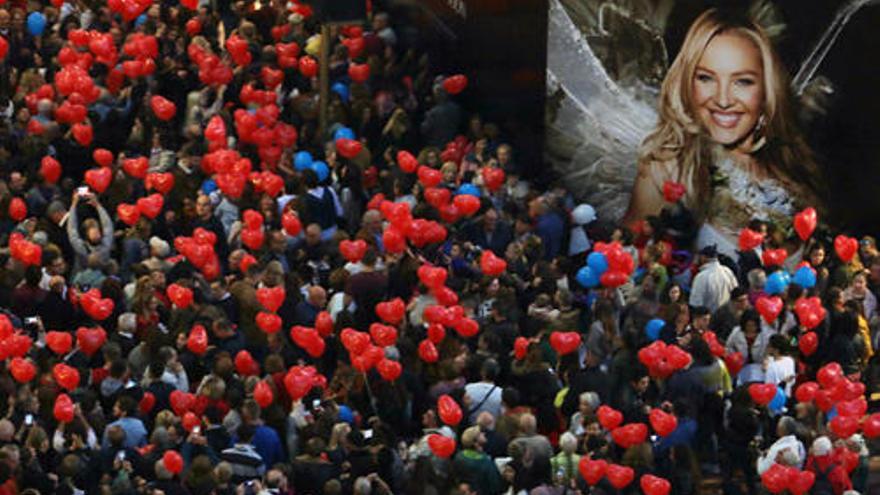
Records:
x=565, y=464
x=788, y=450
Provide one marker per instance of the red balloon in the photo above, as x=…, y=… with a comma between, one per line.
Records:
x=774, y=257
x=193, y=26
x=63, y=409
x=324, y=324
x=348, y=148
x=263, y=394
x=272, y=78
x=17, y=209
x=440, y=445
x=844, y=426
x=50, y=169
x=147, y=402
x=630, y=435
x=805, y=223
x=467, y=327
x=613, y=279
x=216, y=129
x=455, y=84
x=565, y=342
x=428, y=352
x=432, y=276
x=308, y=66
x=253, y=238
x=291, y=224
x=268, y=322
x=99, y=179
x=163, y=108
x=245, y=364
x=749, y=239
x=830, y=375
x=354, y=342
x=810, y=312
x=592, y=471
x=172, y=461
x=493, y=178
x=181, y=402
x=393, y=241
x=429, y=177
x=353, y=251
x=22, y=370
x=845, y=247
x=619, y=476
x=197, y=342
x=66, y=376
x=673, y=191
x=129, y=214
x=90, y=340
x=808, y=343
x=823, y=400
x=449, y=410
x=190, y=421
x=4, y=47
x=181, y=296
x=407, y=162
x=160, y=182
x=805, y=392
x=871, y=426
x=383, y=335
x=392, y=311
x=769, y=307
x=492, y=265
x=59, y=342
x=855, y=408
x=609, y=417
x=83, y=134
x=359, y=73
x=800, y=482
x=654, y=485
x=775, y=479
x=301, y=379
x=762, y=393
x=466, y=204
x=271, y=298
x=151, y=205
x=662, y=422
x=389, y=370
x=520, y=348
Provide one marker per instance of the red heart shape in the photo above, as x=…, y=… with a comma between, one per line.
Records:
x=163, y=108
x=619, y=476
x=245, y=364
x=359, y=73
x=609, y=417
x=136, y=167
x=22, y=370
x=383, y=335
x=99, y=179
x=83, y=134
x=90, y=340
x=844, y=426
x=774, y=257
x=749, y=239
x=63, y=409
x=467, y=204
x=197, y=342
x=151, y=205
x=871, y=427
x=845, y=247
x=762, y=393
x=353, y=251
x=354, y=342
x=407, y=162
x=428, y=352
x=592, y=471
x=565, y=342
x=161, y=182
x=66, y=376
x=440, y=445
x=309, y=339
x=348, y=148
x=268, y=322
x=449, y=410
x=59, y=342
x=492, y=265
x=808, y=343
x=673, y=191
x=630, y=435
x=662, y=422
x=50, y=169
x=271, y=298
x=272, y=78
x=769, y=307
x=252, y=238
x=805, y=223
x=493, y=178
x=129, y=214
x=455, y=84
x=389, y=370
x=429, y=177
x=291, y=224
x=263, y=395
x=308, y=66
x=181, y=296
x=654, y=485
x=392, y=311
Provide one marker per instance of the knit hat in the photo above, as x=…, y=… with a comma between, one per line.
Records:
x=821, y=446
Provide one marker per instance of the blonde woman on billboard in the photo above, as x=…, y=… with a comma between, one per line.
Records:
x=726, y=132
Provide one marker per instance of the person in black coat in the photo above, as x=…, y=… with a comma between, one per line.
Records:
x=490, y=232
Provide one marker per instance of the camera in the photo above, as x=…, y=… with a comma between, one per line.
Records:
x=82, y=191
x=29, y=419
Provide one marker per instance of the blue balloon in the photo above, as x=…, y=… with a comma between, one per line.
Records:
x=598, y=262
x=653, y=328
x=776, y=283
x=341, y=89
x=140, y=20
x=321, y=170
x=805, y=277
x=468, y=188
x=36, y=23
x=209, y=186
x=302, y=160
x=778, y=403
x=343, y=133
x=587, y=277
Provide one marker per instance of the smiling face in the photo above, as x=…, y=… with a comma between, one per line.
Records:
x=728, y=89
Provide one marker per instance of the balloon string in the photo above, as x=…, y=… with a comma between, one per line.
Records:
x=369, y=393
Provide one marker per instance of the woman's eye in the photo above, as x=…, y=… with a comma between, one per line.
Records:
x=745, y=82
x=704, y=77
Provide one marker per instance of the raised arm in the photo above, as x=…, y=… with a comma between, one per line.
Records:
x=76, y=242
x=647, y=193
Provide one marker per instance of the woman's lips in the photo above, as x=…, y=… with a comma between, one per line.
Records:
x=727, y=120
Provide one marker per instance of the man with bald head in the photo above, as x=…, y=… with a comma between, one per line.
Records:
x=307, y=310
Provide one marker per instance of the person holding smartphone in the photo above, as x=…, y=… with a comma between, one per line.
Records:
x=92, y=236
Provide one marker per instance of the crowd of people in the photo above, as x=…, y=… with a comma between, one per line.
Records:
x=207, y=291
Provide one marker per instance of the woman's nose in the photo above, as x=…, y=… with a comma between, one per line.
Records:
x=722, y=96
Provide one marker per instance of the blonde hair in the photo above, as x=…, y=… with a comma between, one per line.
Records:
x=679, y=136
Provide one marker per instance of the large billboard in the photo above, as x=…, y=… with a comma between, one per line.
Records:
x=748, y=111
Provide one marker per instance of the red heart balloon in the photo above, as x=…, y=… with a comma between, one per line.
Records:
x=830, y=375
x=800, y=482
x=65, y=376
x=429, y=177
x=662, y=422
x=253, y=238
x=619, y=476
x=592, y=471
x=492, y=265
x=359, y=73
x=50, y=169
x=466, y=204
x=17, y=209
x=353, y=251
x=565, y=342
x=392, y=311
x=769, y=307
x=83, y=134
x=775, y=479
x=805, y=223
x=163, y=108
x=348, y=148
x=197, y=342
x=309, y=339
x=432, y=276
x=291, y=224
x=630, y=435
x=609, y=417
x=428, y=352
x=308, y=66
x=437, y=197
x=749, y=239
x=268, y=322
x=160, y=182
x=147, y=402
x=654, y=485
x=353, y=341
x=845, y=247
x=762, y=393
x=407, y=162
x=871, y=426
x=96, y=307
x=823, y=400
x=613, y=279
x=63, y=409
x=151, y=205
x=90, y=340
x=245, y=364
x=493, y=178
x=440, y=445
x=59, y=342
x=810, y=312
x=172, y=460
x=263, y=394
x=324, y=324
x=466, y=327
x=193, y=26
x=806, y=391
x=520, y=348
x=216, y=129
x=855, y=408
x=774, y=257
x=181, y=296
x=99, y=179
x=181, y=402
x=272, y=78
x=389, y=370
x=455, y=84
x=190, y=421
x=129, y=214
x=22, y=370
x=449, y=410
x=271, y=298
x=673, y=191
x=808, y=343
x=136, y=167
x=844, y=426
x=383, y=335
